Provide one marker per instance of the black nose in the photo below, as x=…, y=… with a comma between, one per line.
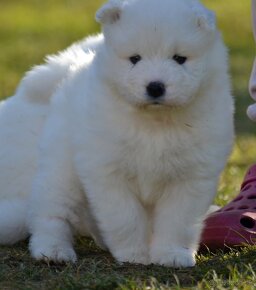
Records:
x=156, y=89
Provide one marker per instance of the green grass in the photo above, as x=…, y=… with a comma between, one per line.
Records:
x=96, y=269
x=29, y=30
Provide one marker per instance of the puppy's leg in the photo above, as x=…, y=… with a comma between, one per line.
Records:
x=13, y=226
x=21, y=124
x=53, y=213
x=120, y=217
x=178, y=222
x=55, y=197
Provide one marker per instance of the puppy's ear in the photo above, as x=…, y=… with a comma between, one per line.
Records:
x=206, y=19
x=110, y=12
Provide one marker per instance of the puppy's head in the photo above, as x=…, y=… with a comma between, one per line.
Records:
x=156, y=51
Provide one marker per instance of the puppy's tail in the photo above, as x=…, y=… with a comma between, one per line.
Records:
x=42, y=81
x=13, y=221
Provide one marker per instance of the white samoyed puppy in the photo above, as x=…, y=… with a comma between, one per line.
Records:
x=121, y=137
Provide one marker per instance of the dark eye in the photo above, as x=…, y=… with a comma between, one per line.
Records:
x=135, y=58
x=179, y=59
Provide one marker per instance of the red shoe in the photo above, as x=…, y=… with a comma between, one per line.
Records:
x=233, y=225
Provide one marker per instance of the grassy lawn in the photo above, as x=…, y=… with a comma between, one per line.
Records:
x=32, y=28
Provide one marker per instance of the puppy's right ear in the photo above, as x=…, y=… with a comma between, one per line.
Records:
x=110, y=12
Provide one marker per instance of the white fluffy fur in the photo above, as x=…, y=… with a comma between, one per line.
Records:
x=86, y=151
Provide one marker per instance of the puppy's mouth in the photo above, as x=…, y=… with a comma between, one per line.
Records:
x=157, y=104
x=161, y=104
x=154, y=104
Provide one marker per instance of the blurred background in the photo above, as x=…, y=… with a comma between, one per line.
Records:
x=30, y=29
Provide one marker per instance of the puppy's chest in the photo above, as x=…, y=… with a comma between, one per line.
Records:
x=152, y=162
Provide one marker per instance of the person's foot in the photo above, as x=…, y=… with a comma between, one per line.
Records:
x=234, y=224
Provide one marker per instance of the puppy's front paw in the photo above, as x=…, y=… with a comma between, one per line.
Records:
x=174, y=257
x=52, y=250
x=132, y=255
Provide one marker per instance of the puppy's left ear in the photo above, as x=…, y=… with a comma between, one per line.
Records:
x=110, y=12
x=206, y=19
